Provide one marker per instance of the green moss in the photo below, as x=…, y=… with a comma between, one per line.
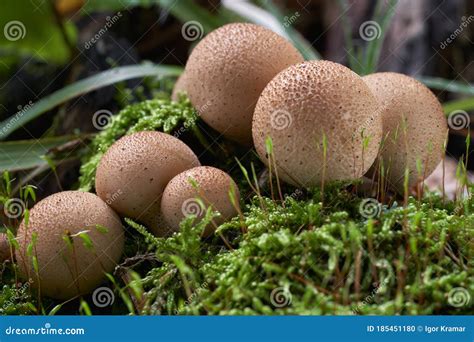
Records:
x=318, y=259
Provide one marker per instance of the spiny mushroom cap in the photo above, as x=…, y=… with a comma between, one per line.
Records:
x=312, y=105
x=66, y=270
x=414, y=127
x=227, y=71
x=213, y=190
x=135, y=170
x=4, y=248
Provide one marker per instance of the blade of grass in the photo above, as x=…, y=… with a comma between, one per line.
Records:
x=462, y=104
x=374, y=47
x=188, y=10
x=303, y=46
x=81, y=87
x=447, y=85
x=26, y=154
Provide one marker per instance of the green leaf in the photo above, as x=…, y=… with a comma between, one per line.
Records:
x=462, y=104
x=81, y=87
x=26, y=154
x=184, y=10
x=55, y=310
x=303, y=46
x=101, y=229
x=86, y=240
x=29, y=29
x=447, y=85
x=188, y=10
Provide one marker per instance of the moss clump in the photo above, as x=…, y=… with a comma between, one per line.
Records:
x=309, y=258
x=157, y=114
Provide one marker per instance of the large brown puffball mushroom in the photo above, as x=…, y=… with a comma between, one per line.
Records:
x=193, y=191
x=323, y=121
x=135, y=170
x=227, y=71
x=78, y=239
x=414, y=127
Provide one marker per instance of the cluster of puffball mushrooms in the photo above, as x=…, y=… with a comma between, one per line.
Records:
x=248, y=83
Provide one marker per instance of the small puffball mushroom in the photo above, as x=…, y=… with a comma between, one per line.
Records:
x=78, y=239
x=188, y=192
x=323, y=122
x=227, y=71
x=135, y=170
x=4, y=247
x=414, y=127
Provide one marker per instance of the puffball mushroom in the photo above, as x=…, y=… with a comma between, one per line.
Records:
x=4, y=247
x=134, y=172
x=323, y=122
x=193, y=191
x=227, y=71
x=414, y=126
x=68, y=264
